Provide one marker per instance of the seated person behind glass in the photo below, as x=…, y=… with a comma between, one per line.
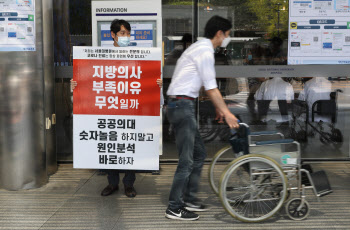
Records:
x=249, y=59
x=254, y=84
x=318, y=88
x=256, y=56
x=274, y=89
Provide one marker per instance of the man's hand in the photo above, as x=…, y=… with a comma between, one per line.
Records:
x=160, y=83
x=231, y=121
x=221, y=108
x=73, y=84
x=219, y=116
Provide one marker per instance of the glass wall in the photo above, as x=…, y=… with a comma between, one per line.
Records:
x=306, y=103
x=309, y=108
x=313, y=111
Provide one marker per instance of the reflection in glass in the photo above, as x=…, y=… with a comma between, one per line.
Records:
x=278, y=89
x=316, y=113
x=180, y=47
x=258, y=37
x=312, y=111
x=286, y=110
x=317, y=89
x=177, y=26
x=259, y=33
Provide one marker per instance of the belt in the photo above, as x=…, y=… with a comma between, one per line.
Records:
x=182, y=97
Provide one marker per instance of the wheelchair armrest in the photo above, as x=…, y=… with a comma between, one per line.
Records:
x=264, y=133
x=281, y=141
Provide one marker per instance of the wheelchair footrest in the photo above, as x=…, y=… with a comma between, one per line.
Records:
x=321, y=183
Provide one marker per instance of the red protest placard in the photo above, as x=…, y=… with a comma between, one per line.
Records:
x=116, y=87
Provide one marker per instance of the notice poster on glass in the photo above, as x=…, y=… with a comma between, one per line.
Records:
x=17, y=25
x=319, y=32
x=116, y=108
x=141, y=35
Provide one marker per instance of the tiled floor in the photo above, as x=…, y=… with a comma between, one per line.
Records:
x=71, y=200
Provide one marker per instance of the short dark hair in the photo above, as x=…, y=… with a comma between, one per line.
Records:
x=215, y=24
x=116, y=24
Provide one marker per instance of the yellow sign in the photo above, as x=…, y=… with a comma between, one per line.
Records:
x=293, y=25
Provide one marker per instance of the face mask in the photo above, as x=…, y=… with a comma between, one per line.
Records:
x=250, y=57
x=225, y=42
x=123, y=41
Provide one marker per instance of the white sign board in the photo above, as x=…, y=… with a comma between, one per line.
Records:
x=144, y=16
x=319, y=32
x=116, y=109
x=17, y=25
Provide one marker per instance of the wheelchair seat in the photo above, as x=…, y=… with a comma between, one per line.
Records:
x=324, y=108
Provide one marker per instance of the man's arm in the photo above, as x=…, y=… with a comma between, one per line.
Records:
x=221, y=108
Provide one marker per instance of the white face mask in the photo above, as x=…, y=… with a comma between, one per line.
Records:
x=225, y=42
x=123, y=41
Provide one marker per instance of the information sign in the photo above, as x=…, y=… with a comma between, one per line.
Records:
x=17, y=25
x=319, y=32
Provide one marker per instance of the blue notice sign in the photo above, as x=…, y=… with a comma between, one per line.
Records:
x=335, y=27
x=106, y=35
x=18, y=19
x=143, y=34
x=8, y=14
x=12, y=34
x=308, y=27
x=322, y=21
x=327, y=45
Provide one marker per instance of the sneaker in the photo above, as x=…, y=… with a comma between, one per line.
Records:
x=180, y=214
x=194, y=207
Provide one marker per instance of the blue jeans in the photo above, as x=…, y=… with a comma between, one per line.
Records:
x=113, y=177
x=190, y=146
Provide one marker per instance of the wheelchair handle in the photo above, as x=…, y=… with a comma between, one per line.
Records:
x=234, y=131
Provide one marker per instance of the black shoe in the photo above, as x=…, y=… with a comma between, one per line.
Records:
x=130, y=191
x=195, y=207
x=101, y=173
x=109, y=190
x=180, y=214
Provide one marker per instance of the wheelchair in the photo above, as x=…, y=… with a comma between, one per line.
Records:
x=264, y=170
x=301, y=122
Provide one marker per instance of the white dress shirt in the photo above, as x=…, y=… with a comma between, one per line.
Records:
x=275, y=89
x=318, y=88
x=194, y=69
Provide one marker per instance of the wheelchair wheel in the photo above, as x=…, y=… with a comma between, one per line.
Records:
x=293, y=212
x=337, y=138
x=248, y=188
x=217, y=167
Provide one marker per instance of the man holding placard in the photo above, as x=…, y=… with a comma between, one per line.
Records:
x=120, y=32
